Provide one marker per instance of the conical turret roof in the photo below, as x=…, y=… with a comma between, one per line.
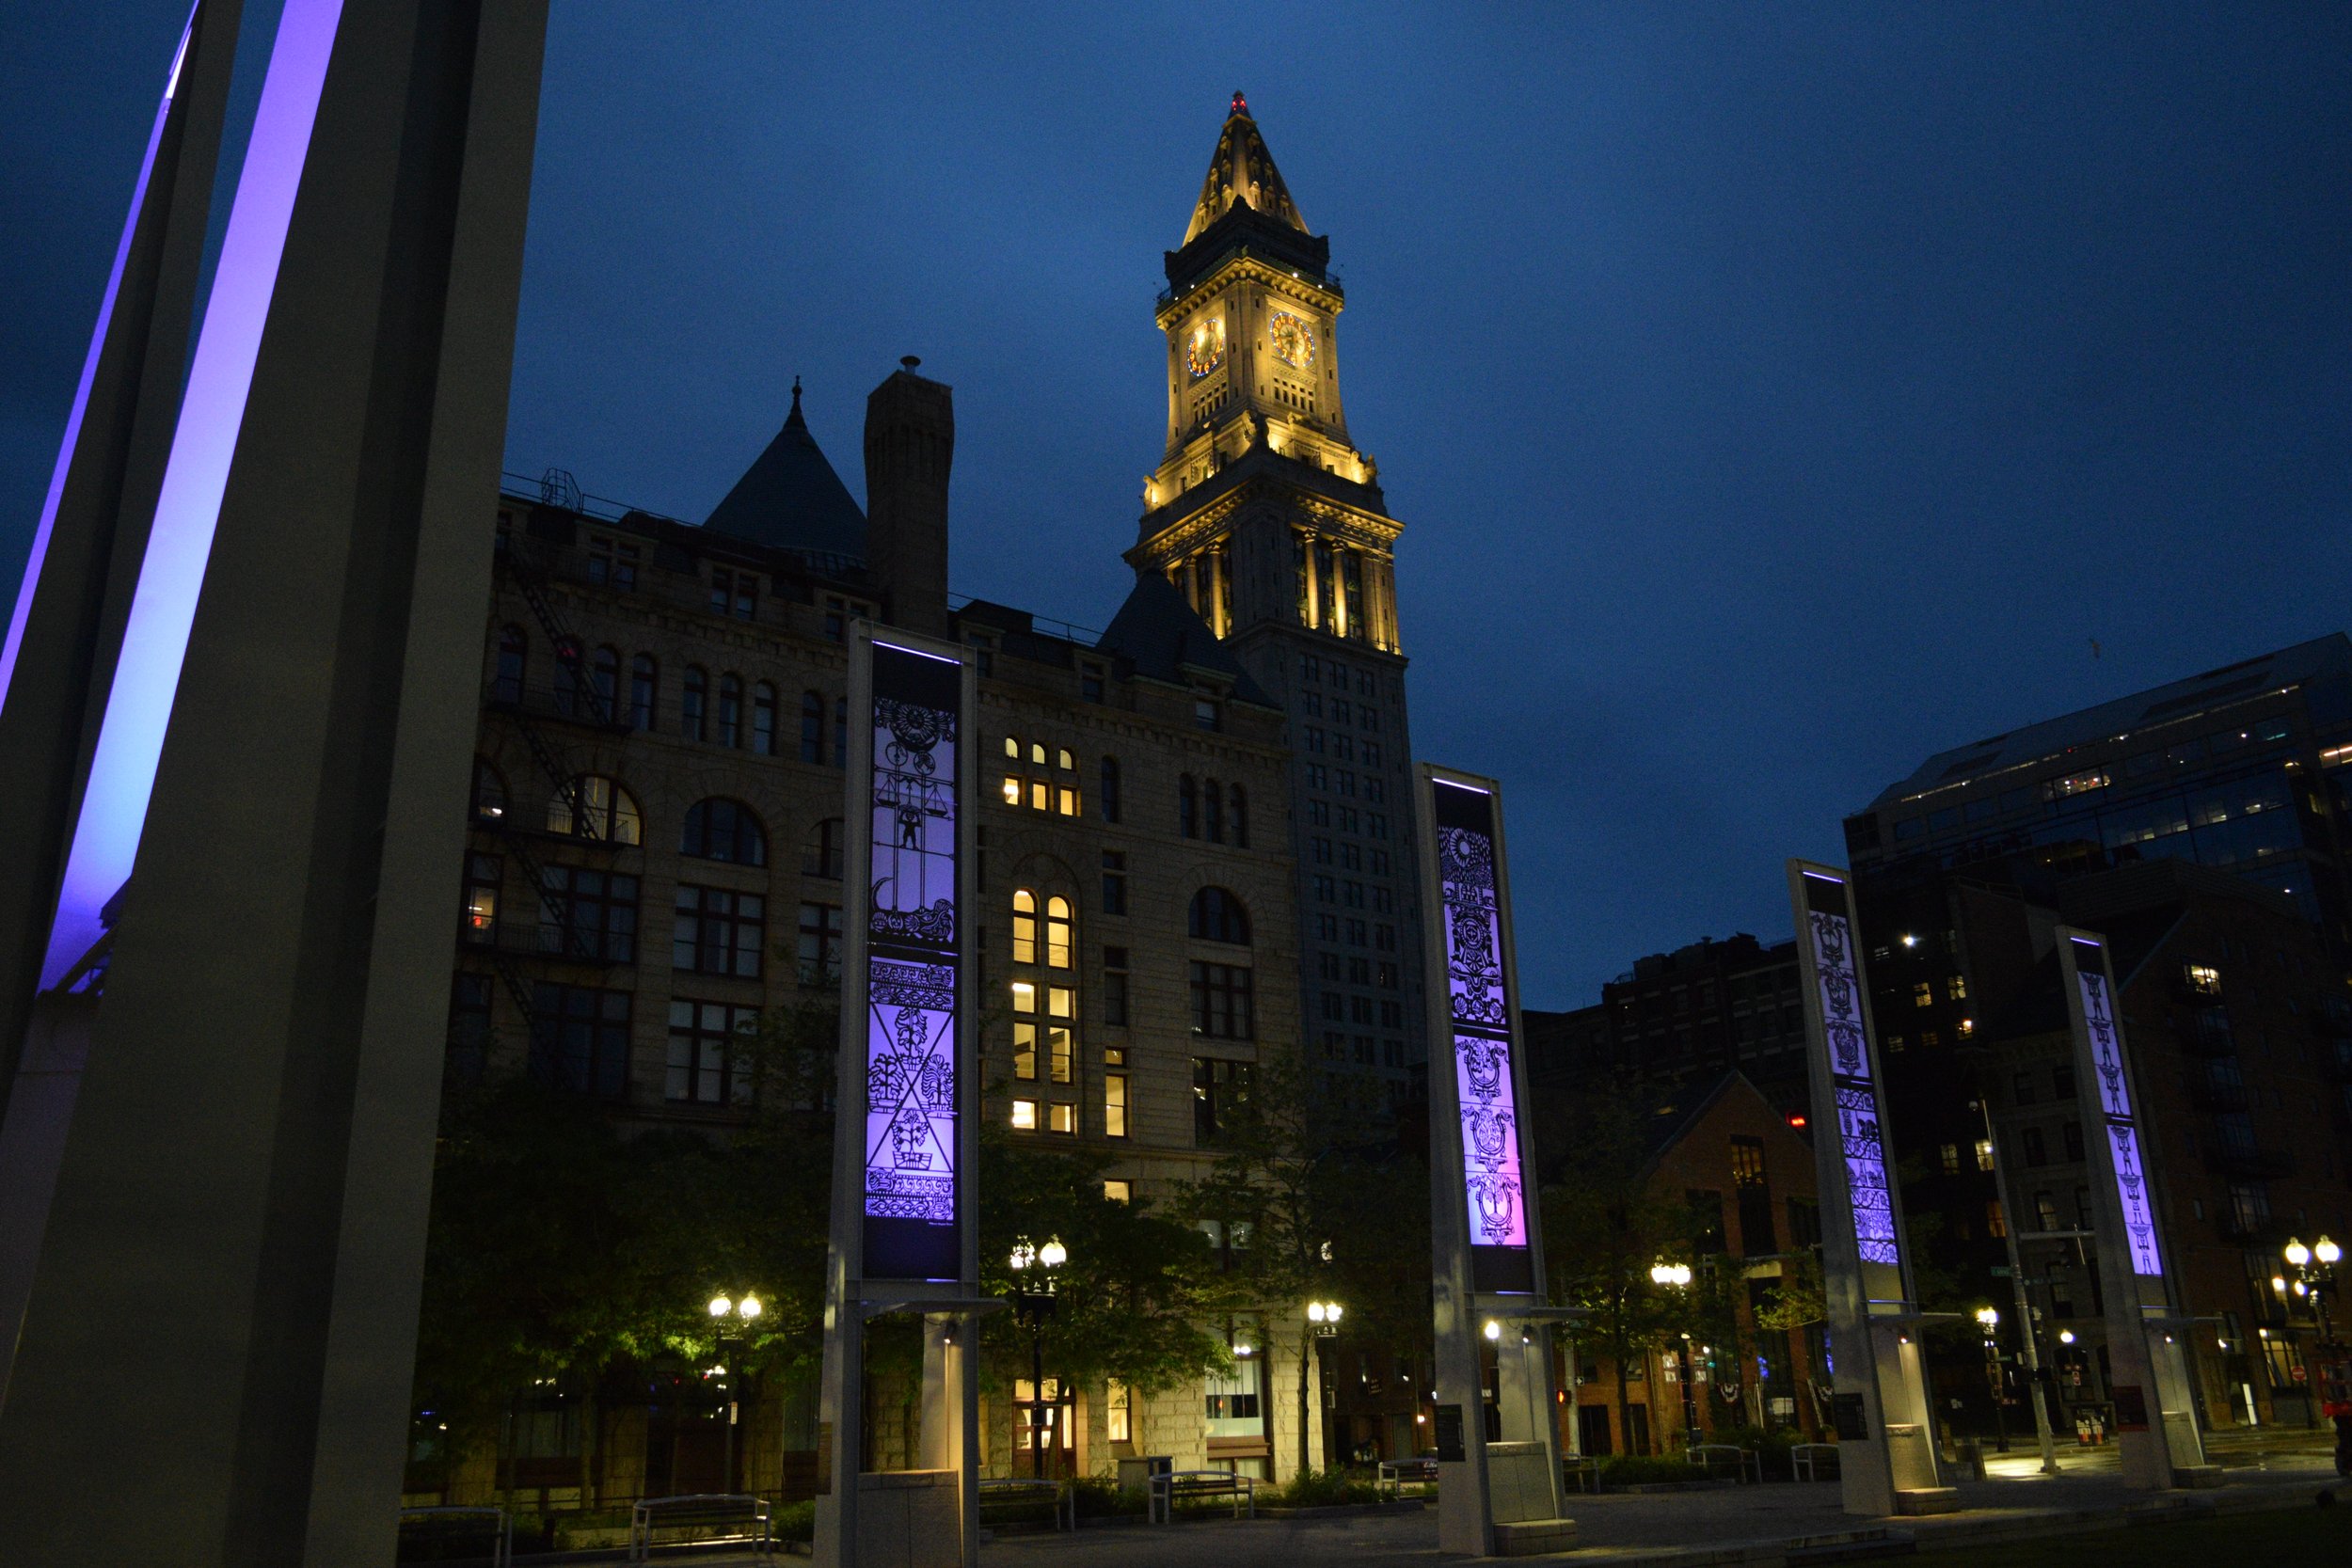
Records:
x=791, y=497
x=1242, y=172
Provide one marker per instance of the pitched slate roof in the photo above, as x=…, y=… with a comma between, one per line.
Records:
x=1158, y=632
x=791, y=498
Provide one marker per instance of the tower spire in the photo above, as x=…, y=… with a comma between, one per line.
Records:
x=1242, y=173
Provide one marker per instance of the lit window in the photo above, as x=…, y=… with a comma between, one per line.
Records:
x=1984, y=1153
x=1039, y=796
x=1024, y=1051
x=2205, y=980
x=1036, y=752
x=1024, y=1116
x=1967, y=1027
x=1059, y=1002
x=1065, y=1118
x=1058, y=1047
x=1056, y=931
x=1024, y=998
x=1922, y=995
x=1114, y=1106
x=1118, y=1191
x=1012, y=748
x=1067, y=800
x=2058, y=789
x=1117, y=1423
x=1025, y=930
x=1956, y=986
x=1063, y=760
x=1951, y=1159
x=1012, y=790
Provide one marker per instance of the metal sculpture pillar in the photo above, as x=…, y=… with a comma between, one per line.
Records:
x=239, y=707
x=905, y=1207
x=2155, y=1421
x=1885, y=1437
x=1498, y=1492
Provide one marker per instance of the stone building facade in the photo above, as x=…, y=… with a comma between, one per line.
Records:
x=1194, y=840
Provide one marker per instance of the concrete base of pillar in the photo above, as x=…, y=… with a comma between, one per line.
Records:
x=1928, y=1499
x=1533, y=1537
x=2195, y=1477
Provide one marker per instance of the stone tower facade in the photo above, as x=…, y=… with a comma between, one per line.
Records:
x=1269, y=519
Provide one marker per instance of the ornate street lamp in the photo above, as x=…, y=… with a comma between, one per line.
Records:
x=1035, y=1280
x=1989, y=1318
x=733, y=1318
x=1678, y=1276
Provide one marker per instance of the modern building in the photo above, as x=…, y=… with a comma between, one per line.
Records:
x=1685, y=1017
x=2201, y=825
x=1194, y=852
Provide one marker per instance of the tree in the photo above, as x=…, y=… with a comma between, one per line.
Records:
x=1312, y=1202
x=1603, y=1231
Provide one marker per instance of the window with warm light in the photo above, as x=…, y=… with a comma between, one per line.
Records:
x=1063, y=1118
x=1114, y=1106
x=1984, y=1153
x=2203, y=980
x=1024, y=1116
x=1056, y=933
x=1117, y=1417
x=1024, y=927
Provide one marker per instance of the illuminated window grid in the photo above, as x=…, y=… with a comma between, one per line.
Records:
x=1114, y=1106
x=1024, y=1116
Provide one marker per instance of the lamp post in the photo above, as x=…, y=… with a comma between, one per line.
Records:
x=1990, y=1318
x=733, y=1318
x=1323, y=1322
x=1035, y=1277
x=1678, y=1276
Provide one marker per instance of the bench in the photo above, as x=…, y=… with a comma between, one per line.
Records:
x=1028, y=1491
x=1166, y=1489
x=1581, y=1472
x=1394, y=1473
x=1746, y=1463
x=745, y=1520
x=446, y=1525
x=1805, y=1460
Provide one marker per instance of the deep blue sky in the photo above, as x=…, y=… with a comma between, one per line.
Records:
x=1773, y=395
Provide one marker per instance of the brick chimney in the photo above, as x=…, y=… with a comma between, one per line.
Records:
x=910, y=442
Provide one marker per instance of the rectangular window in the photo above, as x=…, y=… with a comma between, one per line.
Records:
x=1024, y=1116
x=719, y=931
x=1119, y=1190
x=1220, y=1092
x=2037, y=1151
x=2021, y=1087
x=1984, y=1153
x=2072, y=1135
x=1061, y=1117
x=1995, y=1223
x=1117, y=1417
x=734, y=592
x=1114, y=881
x=1091, y=684
x=821, y=944
x=1025, y=1050
x=705, y=1040
x=588, y=914
x=1115, y=987
x=1951, y=1159
x=579, y=1040
x=480, y=922
x=1114, y=1106
x=1221, y=1005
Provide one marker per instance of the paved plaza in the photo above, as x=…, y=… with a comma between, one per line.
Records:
x=1770, y=1523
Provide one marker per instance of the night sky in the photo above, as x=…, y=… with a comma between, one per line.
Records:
x=1772, y=395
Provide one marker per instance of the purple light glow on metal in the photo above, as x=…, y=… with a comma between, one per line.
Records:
x=1481, y=1011
x=910, y=1047
x=89, y=373
x=2115, y=1105
x=163, y=607
x=1860, y=1136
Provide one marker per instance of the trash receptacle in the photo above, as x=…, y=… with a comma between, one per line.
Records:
x=1969, y=1459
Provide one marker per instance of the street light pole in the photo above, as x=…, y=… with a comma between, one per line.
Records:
x=1678, y=1275
x=740, y=1315
x=1035, y=1270
x=1991, y=1319
x=2025, y=1336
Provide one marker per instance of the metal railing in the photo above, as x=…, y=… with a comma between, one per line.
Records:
x=449, y=1522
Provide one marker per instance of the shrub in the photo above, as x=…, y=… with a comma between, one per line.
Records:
x=1099, y=1497
x=795, y=1521
x=1324, y=1488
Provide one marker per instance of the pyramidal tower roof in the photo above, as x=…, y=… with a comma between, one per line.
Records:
x=1242, y=173
x=791, y=498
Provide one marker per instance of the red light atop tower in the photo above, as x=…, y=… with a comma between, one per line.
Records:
x=1241, y=104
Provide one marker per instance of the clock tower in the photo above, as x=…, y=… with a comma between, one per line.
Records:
x=1269, y=519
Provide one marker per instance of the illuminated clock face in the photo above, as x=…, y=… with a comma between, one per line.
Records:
x=1293, y=338
x=1204, y=351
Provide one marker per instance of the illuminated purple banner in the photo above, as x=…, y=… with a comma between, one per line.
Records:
x=1861, y=1139
x=912, y=1053
x=2115, y=1104
x=1481, y=1011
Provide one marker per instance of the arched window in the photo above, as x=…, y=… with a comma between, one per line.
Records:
x=764, y=719
x=506, y=686
x=812, y=728
x=1187, y=807
x=1036, y=752
x=1024, y=927
x=1212, y=808
x=693, y=708
x=644, y=685
x=1012, y=748
x=719, y=830
x=1237, y=817
x=1058, y=932
x=730, y=710
x=820, y=853
x=1063, y=760
x=604, y=680
x=489, y=792
x=1107, y=797
x=1219, y=916
x=603, y=811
